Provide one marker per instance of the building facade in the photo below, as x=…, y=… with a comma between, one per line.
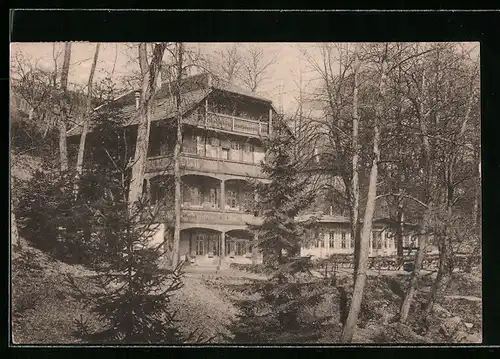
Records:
x=333, y=236
x=222, y=134
x=222, y=148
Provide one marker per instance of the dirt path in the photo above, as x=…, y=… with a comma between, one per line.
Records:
x=202, y=308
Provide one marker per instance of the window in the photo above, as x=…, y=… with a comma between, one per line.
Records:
x=213, y=244
x=200, y=145
x=200, y=245
x=343, y=242
x=232, y=199
x=331, y=240
x=241, y=248
x=248, y=147
x=191, y=195
x=189, y=144
x=212, y=146
x=248, y=151
x=224, y=154
x=377, y=240
x=213, y=197
x=158, y=193
x=235, y=145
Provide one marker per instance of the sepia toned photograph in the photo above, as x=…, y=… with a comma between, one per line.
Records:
x=181, y=193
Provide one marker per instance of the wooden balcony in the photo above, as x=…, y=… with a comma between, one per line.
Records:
x=212, y=217
x=160, y=164
x=236, y=124
x=204, y=164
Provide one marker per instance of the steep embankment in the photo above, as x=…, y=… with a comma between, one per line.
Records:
x=44, y=311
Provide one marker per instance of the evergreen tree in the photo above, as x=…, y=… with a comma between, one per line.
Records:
x=134, y=288
x=275, y=315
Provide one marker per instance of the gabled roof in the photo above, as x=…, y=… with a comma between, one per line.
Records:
x=165, y=106
x=229, y=87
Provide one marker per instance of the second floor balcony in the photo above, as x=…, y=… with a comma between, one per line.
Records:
x=224, y=122
x=193, y=162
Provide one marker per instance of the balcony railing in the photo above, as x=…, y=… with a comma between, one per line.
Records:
x=236, y=124
x=214, y=217
x=204, y=164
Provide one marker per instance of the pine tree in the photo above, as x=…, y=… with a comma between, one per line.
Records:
x=133, y=287
x=275, y=315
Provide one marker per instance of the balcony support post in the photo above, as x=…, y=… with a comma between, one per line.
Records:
x=222, y=248
x=206, y=111
x=222, y=196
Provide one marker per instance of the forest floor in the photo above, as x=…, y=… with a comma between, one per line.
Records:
x=44, y=312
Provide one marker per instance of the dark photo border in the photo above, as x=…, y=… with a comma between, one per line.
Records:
x=306, y=26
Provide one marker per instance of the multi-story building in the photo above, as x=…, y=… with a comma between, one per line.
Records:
x=222, y=134
x=223, y=129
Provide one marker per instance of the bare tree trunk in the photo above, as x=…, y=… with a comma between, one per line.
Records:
x=420, y=256
x=475, y=219
x=86, y=121
x=412, y=286
x=149, y=75
x=399, y=236
x=355, y=169
x=177, y=151
x=63, y=149
x=436, y=285
x=359, y=285
x=445, y=257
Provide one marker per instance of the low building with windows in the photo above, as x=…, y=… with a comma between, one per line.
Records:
x=332, y=235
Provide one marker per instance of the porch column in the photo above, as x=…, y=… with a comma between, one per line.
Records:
x=222, y=249
x=222, y=196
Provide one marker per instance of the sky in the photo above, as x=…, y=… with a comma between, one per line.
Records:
x=281, y=87
x=290, y=67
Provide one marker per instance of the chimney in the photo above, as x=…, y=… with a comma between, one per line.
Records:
x=137, y=99
x=331, y=210
x=209, y=80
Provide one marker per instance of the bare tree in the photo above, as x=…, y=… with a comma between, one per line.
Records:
x=149, y=73
x=229, y=63
x=450, y=162
x=63, y=149
x=427, y=165
x=177, y=150
x=357, y=296
x=88, y=110
x=354, y=208
x=256, y=68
